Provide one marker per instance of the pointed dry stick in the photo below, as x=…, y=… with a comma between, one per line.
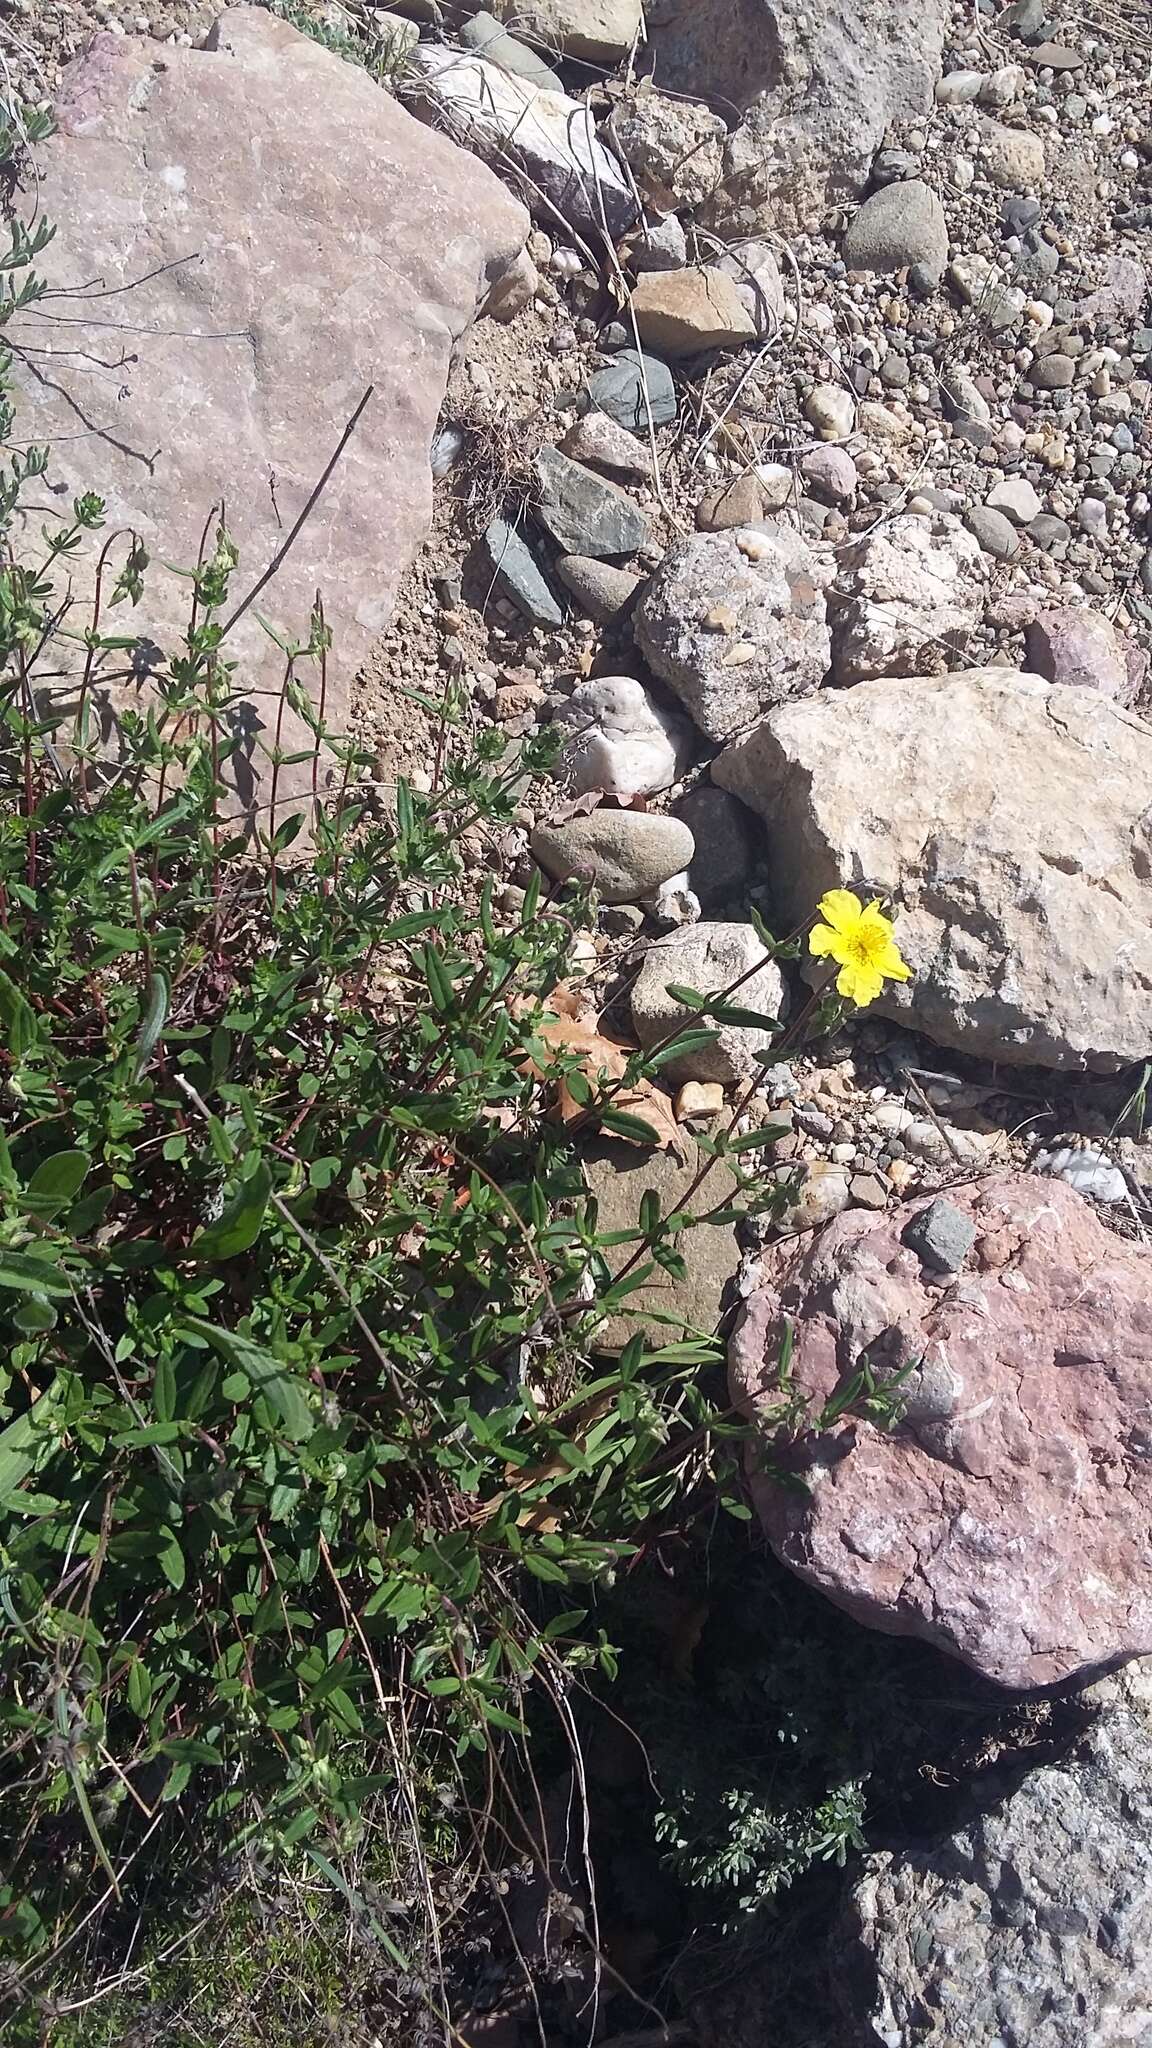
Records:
x=297, y=527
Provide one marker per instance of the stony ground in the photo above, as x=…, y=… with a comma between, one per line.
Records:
x=900, y=432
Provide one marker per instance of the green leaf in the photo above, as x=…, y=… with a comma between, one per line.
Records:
x=155, y=1017
x=164, y=1390
x=239, y=1226
x=170, y=1559
x=55, y=1183
x=768, y=1134
x=19, y=1448
x=139, y=1688
x=17, y=1018
x=626, y=1126
x=28, y=1275
x=265, y=1374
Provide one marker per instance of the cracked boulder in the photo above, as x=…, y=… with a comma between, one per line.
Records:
x=1010, y=821
x=242, y=328
x=905, y=600
x=811, y=91
x=1005, y=1517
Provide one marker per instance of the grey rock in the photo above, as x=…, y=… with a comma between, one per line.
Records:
x=1027, y=20
x=899, y=225
x=601, y=590
x=518, y=575
x=1018, y=214
x=722, y=829
x=764, y=580
x=583, y=512
x=597, y=31
x=1031, y=1925
x=819, y=86
x=709, y=958
x=1052, y=534
x=963, y=397
x=1017, y=499
x=941, y=1236
x=996, y=534
x=1086, y=1169
x=958, y=88
x=1057, y=57
x=253, y=328
x=619, y=390
x=1055, y=372
x=626, y=854
x=489, y=38
x=662, y=245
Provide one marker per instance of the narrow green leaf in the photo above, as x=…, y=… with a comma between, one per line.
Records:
x=155, y=1017
x=239, y=1226
x=265, y=1374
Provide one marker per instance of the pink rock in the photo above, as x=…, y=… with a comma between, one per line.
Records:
x=277, y=234
x=1071, y=645
x=830, y=472
x=1006, y=1517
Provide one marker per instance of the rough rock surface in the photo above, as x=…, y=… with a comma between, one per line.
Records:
x=722, y=829
x=1031, y=1926
x=735, y=622
x=904, y=599
x=1005, y=1517
x=598, y=30
x=819, y=85
x=627, y=854
x=708, y=958
x=1083, y=649
x=1009, y=818
x=260, y=325
x=675, y=149
x=618, y=740
x=665, y=1308
x=545, y=134
x=585, y=513
x=683, y=312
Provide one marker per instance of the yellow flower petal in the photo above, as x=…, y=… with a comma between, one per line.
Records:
x=822, y=939
x=892, y=964
x=859, y=986
x=841, y=909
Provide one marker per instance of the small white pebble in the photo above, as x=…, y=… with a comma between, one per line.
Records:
x=1129, y=161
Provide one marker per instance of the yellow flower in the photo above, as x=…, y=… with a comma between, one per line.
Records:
x=859, y=936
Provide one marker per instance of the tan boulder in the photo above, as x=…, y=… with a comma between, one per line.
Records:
x=1010, y=821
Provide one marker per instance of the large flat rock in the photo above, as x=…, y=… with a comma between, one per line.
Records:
x=273, y=234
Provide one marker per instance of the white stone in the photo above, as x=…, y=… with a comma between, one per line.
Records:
x=1086, y=1169
x=617, y=740
x=831, y=410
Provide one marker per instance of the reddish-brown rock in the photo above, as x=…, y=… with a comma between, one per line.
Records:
x=1075, y=646
x=290, y=236
x=1006, y=1517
